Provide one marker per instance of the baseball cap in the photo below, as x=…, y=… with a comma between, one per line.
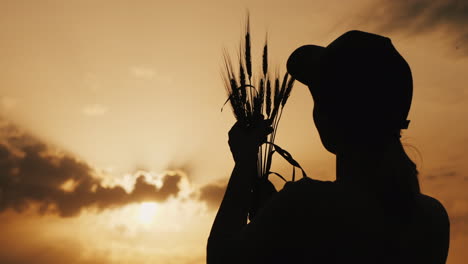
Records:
x=359, y=73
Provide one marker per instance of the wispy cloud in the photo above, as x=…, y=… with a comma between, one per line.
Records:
x=147, y=73
x=442, y=174
x=95, y=110
x=421, y=16
x=143, y=72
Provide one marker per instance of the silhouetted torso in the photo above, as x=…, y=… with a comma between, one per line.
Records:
x=313, y=221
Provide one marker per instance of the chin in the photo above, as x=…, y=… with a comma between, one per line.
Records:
x=331, y=149
x=329, y=146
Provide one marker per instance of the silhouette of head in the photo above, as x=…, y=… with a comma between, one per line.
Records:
x=361, y=86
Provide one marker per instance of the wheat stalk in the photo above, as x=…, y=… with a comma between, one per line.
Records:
x=248, y=101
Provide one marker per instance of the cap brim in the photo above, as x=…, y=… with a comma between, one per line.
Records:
x=303, y=64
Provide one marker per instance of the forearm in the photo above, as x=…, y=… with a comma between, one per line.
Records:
x=232, y=214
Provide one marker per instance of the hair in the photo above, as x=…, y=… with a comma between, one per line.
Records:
x=398, y=183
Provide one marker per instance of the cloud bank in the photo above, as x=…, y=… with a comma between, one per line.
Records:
x=32, y=172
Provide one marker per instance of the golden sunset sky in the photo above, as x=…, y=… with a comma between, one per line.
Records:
x=113, y=148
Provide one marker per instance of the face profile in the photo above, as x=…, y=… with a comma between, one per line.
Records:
x=327, y=128
x=361, y=86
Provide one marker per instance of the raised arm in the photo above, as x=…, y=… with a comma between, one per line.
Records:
x=232, y=214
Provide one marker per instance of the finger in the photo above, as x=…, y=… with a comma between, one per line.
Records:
x=269, y=129
x=266, y=121
x=262, y=124
x=258, y=117
x=236, y=128
x=262, y=135
x=266, y=129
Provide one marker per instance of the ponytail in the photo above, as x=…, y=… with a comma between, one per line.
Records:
x=398, y=179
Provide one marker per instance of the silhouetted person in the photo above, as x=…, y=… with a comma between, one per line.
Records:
x=374, y=212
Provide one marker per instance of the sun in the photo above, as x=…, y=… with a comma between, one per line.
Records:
x=146, y=212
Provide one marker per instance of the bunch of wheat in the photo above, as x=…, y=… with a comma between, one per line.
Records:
x=267, y=98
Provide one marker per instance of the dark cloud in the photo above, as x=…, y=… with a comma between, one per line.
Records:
x=30, y=171
x=422, y=16
x=212, y=194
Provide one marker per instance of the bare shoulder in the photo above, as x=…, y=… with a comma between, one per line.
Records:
x=435, y=226
x=433, y=207
x=434, y=213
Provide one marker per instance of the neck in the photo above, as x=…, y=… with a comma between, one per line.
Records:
x=354, y=167
x=358, y=164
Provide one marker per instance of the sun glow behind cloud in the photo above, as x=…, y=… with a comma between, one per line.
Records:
x=133, y=218
x=147, y=212
x=130, y=234
x=175, y=228
x=143, y=232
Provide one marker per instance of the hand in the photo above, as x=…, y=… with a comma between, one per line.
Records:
x=245, y=141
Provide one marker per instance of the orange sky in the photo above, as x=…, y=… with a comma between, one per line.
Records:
x=112, y=132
